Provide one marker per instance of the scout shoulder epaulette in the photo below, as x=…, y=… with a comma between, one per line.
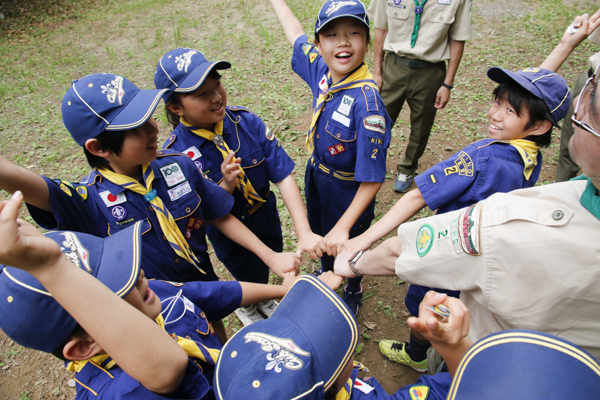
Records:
x=235, y=109
x=172, y=137
x=168, y=152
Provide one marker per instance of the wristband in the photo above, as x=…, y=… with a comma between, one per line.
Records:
x=352, y=263
x=444, y=84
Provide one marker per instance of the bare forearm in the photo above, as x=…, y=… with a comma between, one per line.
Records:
x=379, y=39
x=453, y=354
x=288, y=21
x=381, y=261
x=456, y=52
x=231, y=227
x=292, y=199
x=34, y=188
x=253, y=293
x=363, y=197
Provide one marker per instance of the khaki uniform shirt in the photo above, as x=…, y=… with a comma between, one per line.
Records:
x=528, y=259
x=440, y=20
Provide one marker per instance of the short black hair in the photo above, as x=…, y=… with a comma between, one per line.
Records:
x=109, y=141
x=78, y=331
x=522, y=100
x=175, y=99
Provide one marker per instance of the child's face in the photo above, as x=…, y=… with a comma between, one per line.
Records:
x=343, y=44
x=139, y=148
x=206, y=106
x=505, y=124
x=143, y=298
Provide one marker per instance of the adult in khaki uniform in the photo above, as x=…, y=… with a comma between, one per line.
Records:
x=567, y=168
x=412, y=43
x=528, y=259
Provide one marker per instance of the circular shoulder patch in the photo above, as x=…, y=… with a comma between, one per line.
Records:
x=424, y=240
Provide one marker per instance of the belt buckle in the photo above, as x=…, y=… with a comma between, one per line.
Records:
x=413, y=64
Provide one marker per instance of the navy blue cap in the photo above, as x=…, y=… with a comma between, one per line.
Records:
x=526, y=365
x=299, y=352
x=334, y=9
x=184, y=70
x=542, y=83
x=106, y=102
x=30, y=316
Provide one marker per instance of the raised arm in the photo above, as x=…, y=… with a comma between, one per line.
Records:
x=584, y=25
x=102, y=314
x=32, y=186
x=288, y=21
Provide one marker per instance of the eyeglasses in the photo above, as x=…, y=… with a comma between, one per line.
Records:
x=586, y=88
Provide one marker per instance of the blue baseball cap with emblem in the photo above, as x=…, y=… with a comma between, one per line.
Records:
x=30, y=316
x=299, y=352
x=542, y=83
x=526, y=365
x=106, y=102
x=184, y=70
x=334, y=9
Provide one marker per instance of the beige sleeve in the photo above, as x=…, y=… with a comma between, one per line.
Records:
x=377, y=14
x=462, y=28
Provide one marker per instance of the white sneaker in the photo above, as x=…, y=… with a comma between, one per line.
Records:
x=267, y=307
x=248, y=315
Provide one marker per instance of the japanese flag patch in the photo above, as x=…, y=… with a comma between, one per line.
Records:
x=112, y=199
x=323, y=86
x=192, y=152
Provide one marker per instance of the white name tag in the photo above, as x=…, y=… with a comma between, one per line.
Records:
x=179, y=191
x=188, y=304
x=336, y=116
x=172, y=174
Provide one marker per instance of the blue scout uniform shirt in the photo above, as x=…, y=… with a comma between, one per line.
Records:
x=187, y=308
x=428, y=387
x=100, y=207
x=263, y=161
x=349, y=136
x=475, y=173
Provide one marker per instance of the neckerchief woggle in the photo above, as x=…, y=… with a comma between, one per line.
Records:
x=418, y=13
x=192, y=349
x=165, y=219
x=529, y=152
x=359, y=78
x=244, y=184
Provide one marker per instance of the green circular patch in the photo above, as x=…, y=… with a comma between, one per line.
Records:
x=424, y=240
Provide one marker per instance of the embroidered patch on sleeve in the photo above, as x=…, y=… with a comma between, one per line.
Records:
x=375, y=140
x=83, y=192
x=463, y=165
x=269, y=134
x=65, y=189
x=433, y=179
x=469, y=229
x=306, y=48
x=375, y=123
x=420, y=392
x=173, y=174
x=424, y=240
x=336, y=149
x=312, y=57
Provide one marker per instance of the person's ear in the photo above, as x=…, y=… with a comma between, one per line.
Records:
x=541, y=128
x=93, y=146
x=175, y=109
x=81, y=348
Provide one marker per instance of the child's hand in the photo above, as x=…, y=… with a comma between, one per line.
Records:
x=582, y=27
x=311, y=243
x=22, y=246
x=355, y=244
x=332, y=280
x=289, y=278
x=448, y=331
x=281, y=263
x=334, y=240
x=341, y=267
x=230, y=169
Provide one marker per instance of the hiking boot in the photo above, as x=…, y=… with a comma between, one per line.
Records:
x=267, y=307
x=248, y=315
x=402, y=183
x=395, y=351
x=352, y=300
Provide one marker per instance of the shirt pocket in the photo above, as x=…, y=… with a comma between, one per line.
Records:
x=398, y=12
x=502, y=208
x=185, y=206
x=442, y=14
x=340, y=146
x=252, y=159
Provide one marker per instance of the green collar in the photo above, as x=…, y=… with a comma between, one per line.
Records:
x=590, y=199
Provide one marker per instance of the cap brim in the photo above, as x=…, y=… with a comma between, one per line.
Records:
x=317, y=30
x=196, y=78
x=139, y=109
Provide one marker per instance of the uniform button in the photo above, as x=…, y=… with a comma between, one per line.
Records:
x=202, y=315
x=187, y=209
x=558, y=215
x=243, y=217
x=255, y=384
x=395, y=14
x=150, y=208
x=338, y=136
x=233, y=354
x=367, y=88
x=317, y=136
x=441, y=18
x=188, y=337
x=164, y=237
x=177, y=260
x=254, y=161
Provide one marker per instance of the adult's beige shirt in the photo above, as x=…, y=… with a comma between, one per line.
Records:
x=538, y=268
x=440, y=20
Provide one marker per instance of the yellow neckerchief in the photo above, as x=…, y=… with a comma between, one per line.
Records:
x=528, y=151
x=244, y=184
x=359, y=78
x=191, y=348
x=346, y=392
x=165, y=219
